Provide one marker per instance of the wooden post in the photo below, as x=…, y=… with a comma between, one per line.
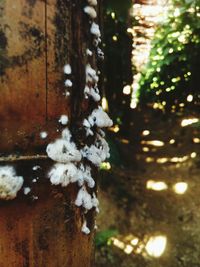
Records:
x=37, y=38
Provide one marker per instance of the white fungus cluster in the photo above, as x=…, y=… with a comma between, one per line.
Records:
x=63, y=151
x=92, y=2
x=27, y=190
x=63, y=174
x=98, y=118
x=10, y=183
x=91, y=88
x=85, y=200
x=84, y=176
x=95, y=30
x=63, y=119
x=67, y=69
x=89, y=52
x=85, y=229
x=68, y=83
x=98, y=152
x=73, y=164
x=43, y=135
x=90, y=11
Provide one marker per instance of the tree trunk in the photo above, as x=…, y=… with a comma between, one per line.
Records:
x=37, y=38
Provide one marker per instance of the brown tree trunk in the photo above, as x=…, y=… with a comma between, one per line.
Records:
x=37, y=38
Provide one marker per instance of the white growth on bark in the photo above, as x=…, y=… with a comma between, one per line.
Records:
x=10, y=183
x=67, y=69
x=63, y=151
x=92, y=2
x=89, y=52
x=43, y=135
x=91, y=74
x=100, y=118
x=91, y=12
x=84, y=199
x=63, y=174
x=63, y=119
x=36, y=167
x=68, y=83
x=98, y=152
x=85, y=229
x=95, y=29
x=84, y=176
x=27, y=190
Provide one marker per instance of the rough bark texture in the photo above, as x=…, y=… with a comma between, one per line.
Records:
x=37, y=38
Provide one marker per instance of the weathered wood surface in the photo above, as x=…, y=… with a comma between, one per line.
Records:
x=37, y=38
x=43, y=232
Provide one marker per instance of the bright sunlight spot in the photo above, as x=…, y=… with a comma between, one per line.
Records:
x=180, y=188
x=156, y=185
x=156, y=246
x=186, y=122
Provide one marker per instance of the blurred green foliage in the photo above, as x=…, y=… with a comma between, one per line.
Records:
x=173, y=69
x=102, y=238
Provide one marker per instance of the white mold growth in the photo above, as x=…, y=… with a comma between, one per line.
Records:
x=85, y=229
x=98, y=152
x=66, y=134
x=92, y=2
x=10, y=183
x=63, y=119
x=68, y=83
x=101, y=132
x=93, y=92
x=73, y=165
x=100, y=53
x=86, y=123
x=43, y=135
x=63, y=174
x=87, y=126
x=90, y=11
x=36, y=167
x=63, y=151
x=91, y=74
x=35, y=197
x=100, y=118
x=84, y=176
x=27, y=190
x=89, y=52
x=95, y=30
x=67, y=69
x=91, y=88
x=67, y=93
x=84, y=199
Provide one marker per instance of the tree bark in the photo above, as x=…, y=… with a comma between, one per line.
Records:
x=37, y=38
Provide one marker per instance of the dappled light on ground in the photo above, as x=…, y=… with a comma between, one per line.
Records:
x=157, y=143
x=156, y=185
x=156, y=197
x=187, y=122
x=153, y=246
x=155, y=156
x=179, y=188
